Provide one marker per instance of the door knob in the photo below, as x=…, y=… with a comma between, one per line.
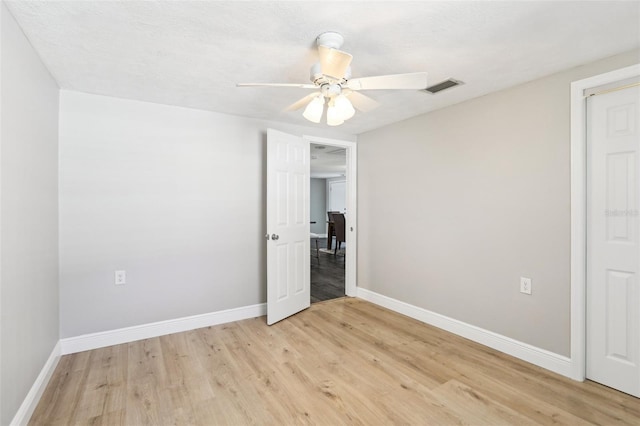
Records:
x=274, y=236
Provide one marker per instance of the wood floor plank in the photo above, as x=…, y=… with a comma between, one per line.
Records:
x=106, y=384
x=528, y=404
x=344, y=361
x=549, y=387
x=66, y=387
x=386, y=364
x=288, y=364
x=146, y=379
x=111, y=418
x=234, y=401
x=476, y=408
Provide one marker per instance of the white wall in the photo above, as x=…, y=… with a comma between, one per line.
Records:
x=174, y=196
x=473, y=197
x=318, y=205
x=29, y=216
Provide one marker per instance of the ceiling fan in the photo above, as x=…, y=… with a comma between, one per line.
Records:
x=333, y=85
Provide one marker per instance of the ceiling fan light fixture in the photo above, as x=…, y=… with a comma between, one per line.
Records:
x=313, y=111
x=344, y=107
x=333, y=116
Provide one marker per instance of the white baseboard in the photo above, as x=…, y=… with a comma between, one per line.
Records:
x=35, y=393
x=541, y=357
x=130, y=334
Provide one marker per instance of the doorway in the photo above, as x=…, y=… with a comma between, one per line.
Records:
x=605, y=344
x=288, y=222
x=350, y=176
x=328, y=198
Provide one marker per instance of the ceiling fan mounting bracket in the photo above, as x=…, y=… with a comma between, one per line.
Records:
x=330, y=39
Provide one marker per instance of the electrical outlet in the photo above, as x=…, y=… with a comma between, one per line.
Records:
x=525, y=285
x=121, y=277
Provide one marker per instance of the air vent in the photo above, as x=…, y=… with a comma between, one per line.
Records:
x=443, y=85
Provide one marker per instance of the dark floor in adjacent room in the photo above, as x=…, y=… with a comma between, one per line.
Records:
x=327, y=273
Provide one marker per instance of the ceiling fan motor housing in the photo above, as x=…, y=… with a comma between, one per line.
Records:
x=318, y=78
x=331, y=90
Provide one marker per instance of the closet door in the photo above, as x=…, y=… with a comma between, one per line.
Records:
x=613, y=254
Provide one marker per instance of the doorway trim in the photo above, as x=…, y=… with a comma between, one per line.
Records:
x=350, y=283
x=579, y=211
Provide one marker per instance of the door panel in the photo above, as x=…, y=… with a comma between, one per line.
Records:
x=288, y=168
x=613, y=253
x=620, y=188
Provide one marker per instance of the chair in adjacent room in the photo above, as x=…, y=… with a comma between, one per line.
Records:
x=314, y=237
x=330, y=230
x=339, y=226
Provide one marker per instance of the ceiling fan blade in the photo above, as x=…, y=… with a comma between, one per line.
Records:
x=361, y=102
x=302, y=102
x=334, y=62
x=298, y=85
x=412, y=81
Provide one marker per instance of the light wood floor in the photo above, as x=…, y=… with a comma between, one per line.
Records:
x=344, y=361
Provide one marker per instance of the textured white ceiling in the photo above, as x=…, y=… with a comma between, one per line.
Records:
x=193, y=53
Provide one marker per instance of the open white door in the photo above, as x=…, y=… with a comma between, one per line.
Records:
x=613, y=236
x=288, y=169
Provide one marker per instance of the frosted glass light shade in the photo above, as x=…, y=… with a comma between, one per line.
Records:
x=333, y=116
x=344, y=107
x=313, y=111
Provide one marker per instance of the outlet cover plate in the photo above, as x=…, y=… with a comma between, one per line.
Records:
x=120, y=277
x=525, y=285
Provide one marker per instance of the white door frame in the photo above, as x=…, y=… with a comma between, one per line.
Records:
x=350, y=287
x=579, y=211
